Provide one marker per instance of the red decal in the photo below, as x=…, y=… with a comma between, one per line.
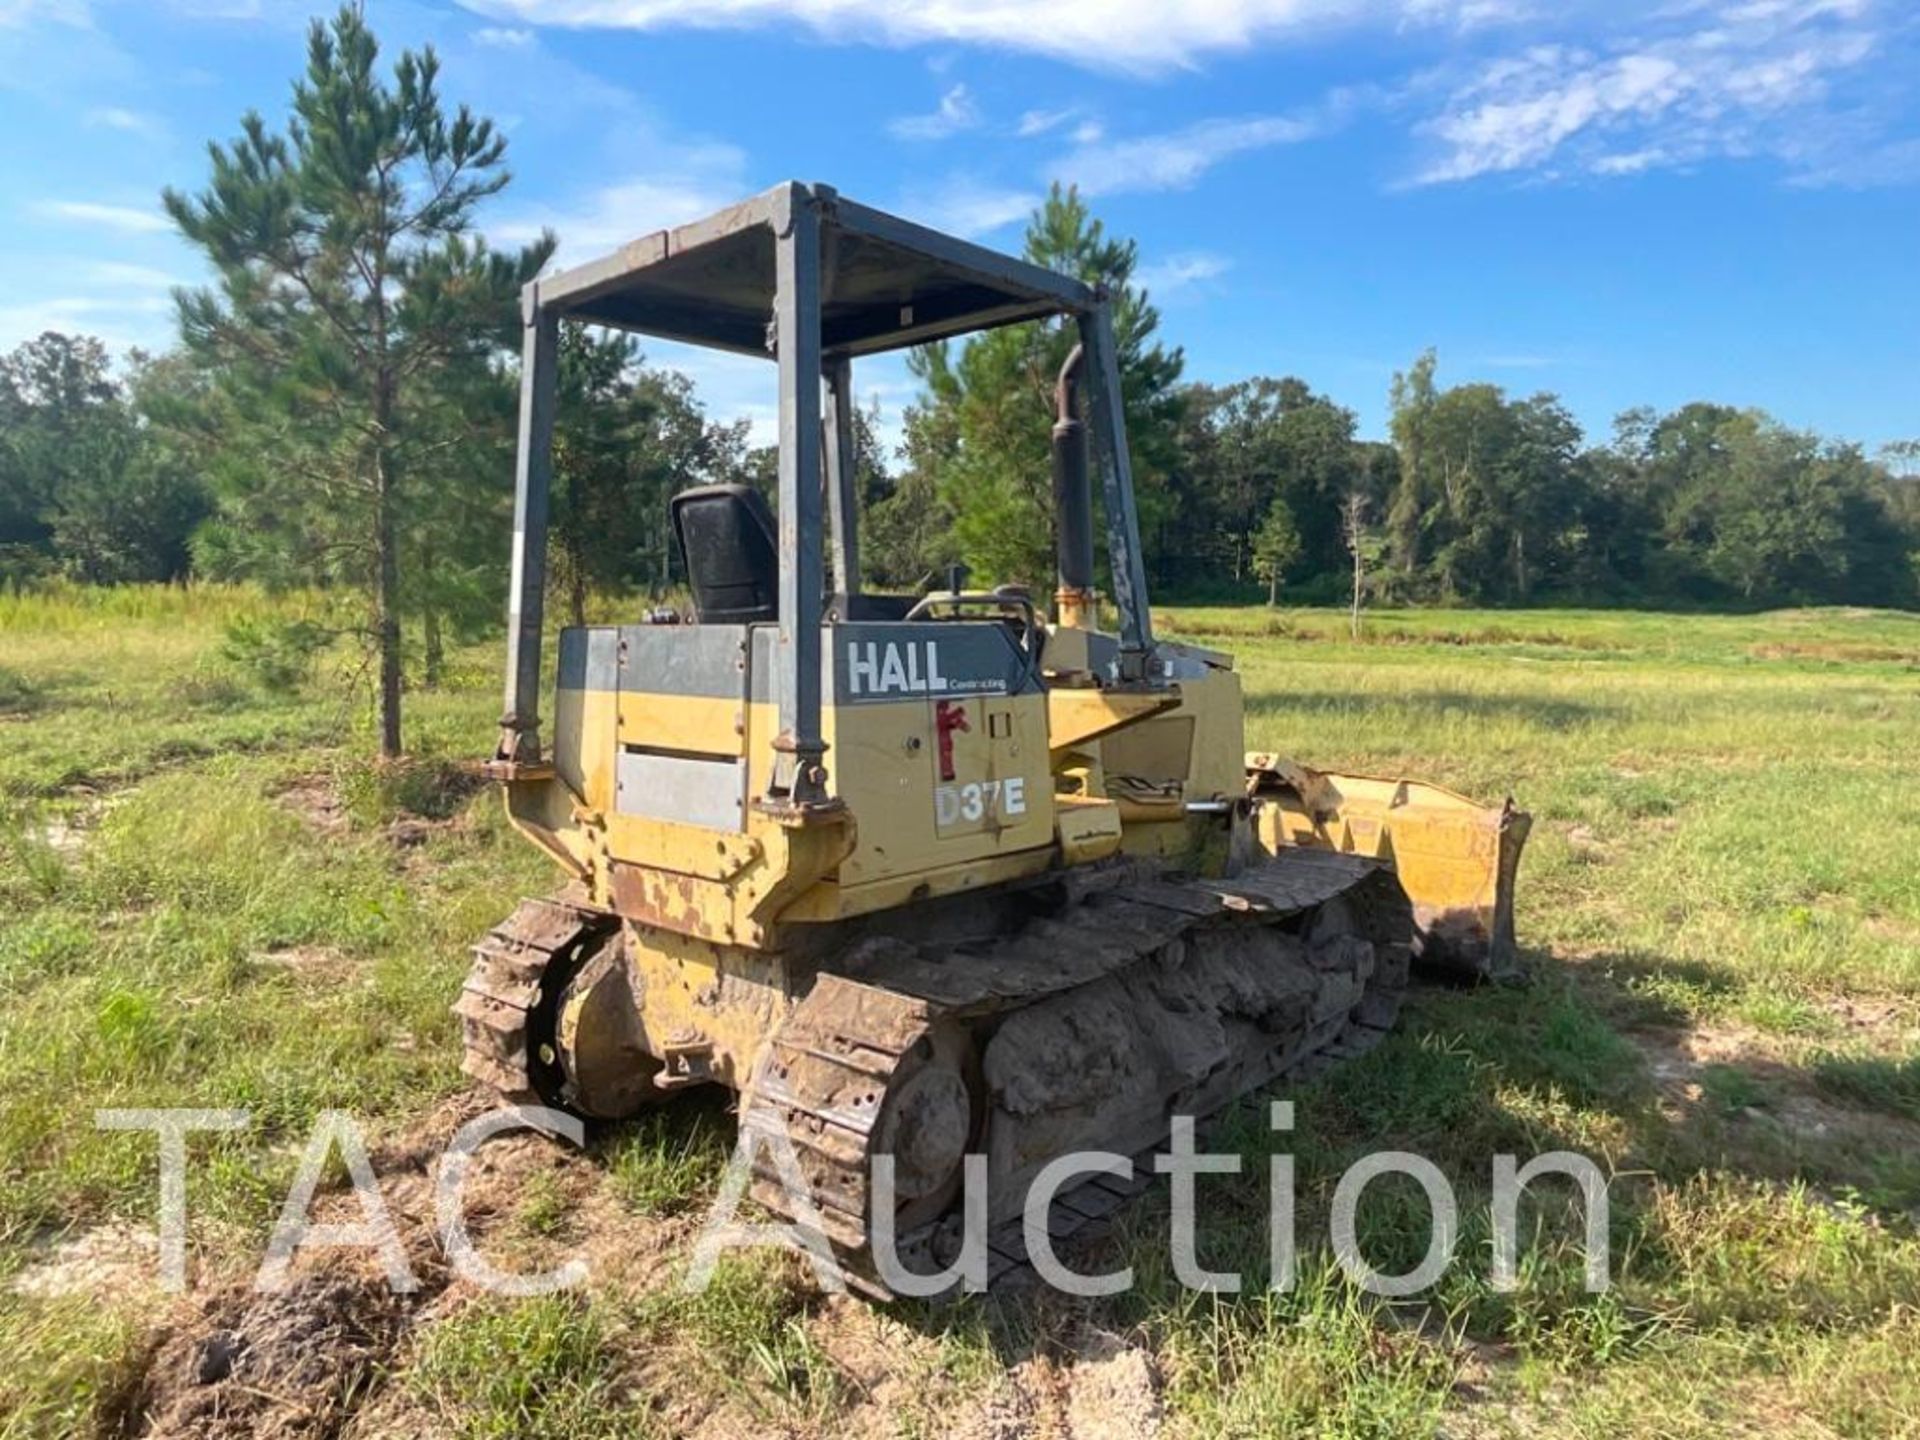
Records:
x=948, y=716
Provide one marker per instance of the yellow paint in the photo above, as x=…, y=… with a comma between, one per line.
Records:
x=692, y=724
x=1451, y=854
x=831, y=901
x=883, y=761
x=1078, y=715
x=1087, y=829
x=730, y=997
x=1038, y=783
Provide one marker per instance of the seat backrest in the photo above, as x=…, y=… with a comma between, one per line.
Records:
x=727, y=539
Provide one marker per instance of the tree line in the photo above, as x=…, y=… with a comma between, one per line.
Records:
x=1264, y=486
x=339, y=414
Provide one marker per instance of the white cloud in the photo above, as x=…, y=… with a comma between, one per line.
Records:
x=121, y=274
x=1739, y=80
x=18, y=14
x=123, y=303
x=1180, y=272
x=1177, y=159
x=133, y=122
x=956, y=112
x=702, y=179
x=111, y=217
x=1080, y=126
x=144, y=321
x=1874, y=162
x=1127, y=35
x=1469, y=14
x=1039, y=122
x=503, y=37
x=963, y=205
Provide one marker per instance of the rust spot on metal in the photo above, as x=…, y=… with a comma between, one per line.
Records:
x=665, y=899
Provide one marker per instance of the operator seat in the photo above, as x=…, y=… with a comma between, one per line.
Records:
x=727, y=538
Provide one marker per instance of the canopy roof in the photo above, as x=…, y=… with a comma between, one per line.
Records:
x=884, y=282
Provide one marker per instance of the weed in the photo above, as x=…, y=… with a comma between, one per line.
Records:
x=1731, y=1090
x=1579, y=1054
x=746, y=1331
x=670, y=1160
x=541, y=1369
x=70, y=1361
x=376, y=792
x=543, y=1205
x=1782, y=1013
x=18, y=695
x=278, y=654
x=1892, y=1086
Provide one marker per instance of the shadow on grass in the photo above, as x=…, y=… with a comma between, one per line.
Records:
x=1703, y=1200
x=1430, y=705
x=1727, y=1197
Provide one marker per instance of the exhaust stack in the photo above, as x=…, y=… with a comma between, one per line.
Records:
x=1072, y=500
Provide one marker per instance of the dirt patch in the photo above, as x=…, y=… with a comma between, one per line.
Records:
x=69, y=832
x=1886, y=1024
x=272, y=1365
x=64, y=837
x=1736, y=1071
x=1112, y=1391
x=236, y=1361
x=318, y=962
x=1834, y=652
x=315, y=799
x=1094, y=1386
x=114, y=1262
x=1886, y=927
x=313, y=1359
x=1005, y=1412
x=1587, y=846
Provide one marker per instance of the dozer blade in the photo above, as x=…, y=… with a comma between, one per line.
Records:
x=1456, y=860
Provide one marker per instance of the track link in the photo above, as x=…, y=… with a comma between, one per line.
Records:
x=827, y=1074
x=500, y=1005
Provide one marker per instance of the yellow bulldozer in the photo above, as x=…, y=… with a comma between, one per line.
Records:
x=922, y=876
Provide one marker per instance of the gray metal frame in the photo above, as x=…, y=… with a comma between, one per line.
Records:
x=813, y=339
x=798, y=771
x=843, y=496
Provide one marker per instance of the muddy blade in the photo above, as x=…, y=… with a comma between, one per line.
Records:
x=1456, y=859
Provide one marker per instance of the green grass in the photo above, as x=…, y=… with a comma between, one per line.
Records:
x=1719, y=901
x=544, y=1369
x=71, y=1363
x=1889, y=1085
x=667, y=1163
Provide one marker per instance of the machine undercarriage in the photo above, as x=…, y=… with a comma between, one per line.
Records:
x=1077, y=1018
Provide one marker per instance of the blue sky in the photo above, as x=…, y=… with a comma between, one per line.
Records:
x=1627, y=203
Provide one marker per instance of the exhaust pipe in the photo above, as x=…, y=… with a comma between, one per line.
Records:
x=1072, y=499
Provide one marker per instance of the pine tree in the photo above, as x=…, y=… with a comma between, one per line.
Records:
x=627, y=437
x=352, y=300
x=1276, y=545
x=993, y=401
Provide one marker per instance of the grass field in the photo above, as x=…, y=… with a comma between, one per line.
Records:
x=207, y=898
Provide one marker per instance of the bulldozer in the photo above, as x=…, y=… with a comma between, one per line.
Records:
x=922, y=876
